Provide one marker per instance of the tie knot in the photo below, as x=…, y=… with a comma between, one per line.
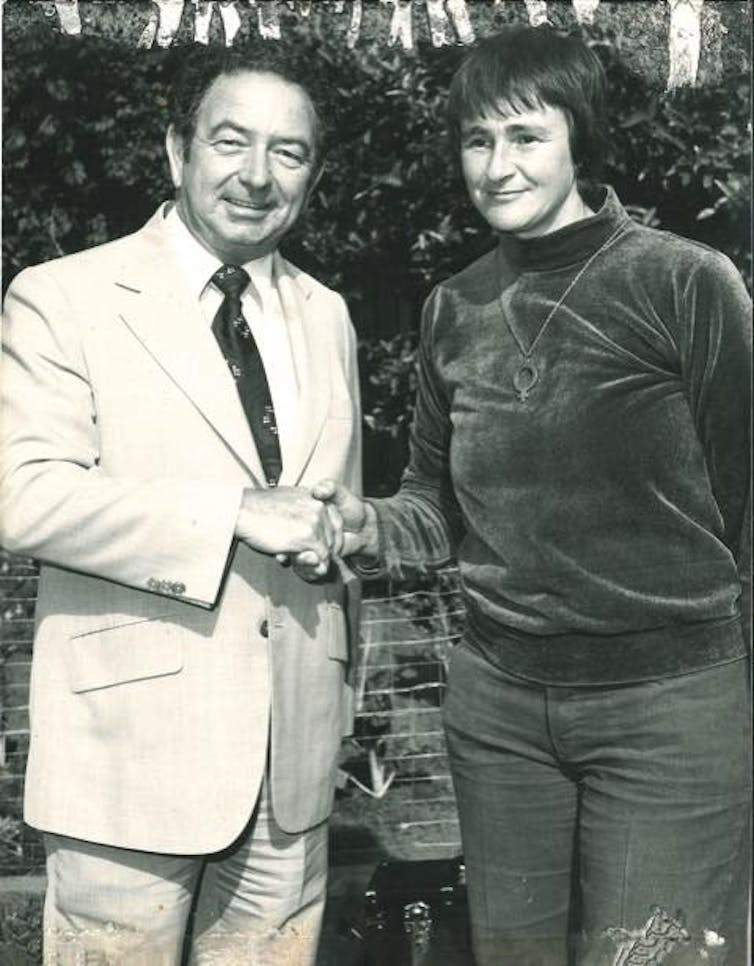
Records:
x=231, y=280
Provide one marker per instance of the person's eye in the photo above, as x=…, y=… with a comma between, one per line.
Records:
x=524, y=138
x=291, y=157
x=228, y=145
x=475, y=141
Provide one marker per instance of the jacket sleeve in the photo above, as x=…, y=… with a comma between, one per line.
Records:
x=421, y=526
x=168, y=536
x=716, y=364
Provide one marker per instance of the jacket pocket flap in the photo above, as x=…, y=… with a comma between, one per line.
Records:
x=337, y=639
x=133, y=651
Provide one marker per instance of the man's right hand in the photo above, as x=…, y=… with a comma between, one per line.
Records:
x=288, y=520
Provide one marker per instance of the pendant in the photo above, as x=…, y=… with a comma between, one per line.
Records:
x=524, y=379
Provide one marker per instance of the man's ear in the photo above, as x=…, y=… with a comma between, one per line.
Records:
x=314, y=181
x=174, y=148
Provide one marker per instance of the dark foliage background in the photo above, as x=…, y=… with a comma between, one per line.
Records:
x=84, y=123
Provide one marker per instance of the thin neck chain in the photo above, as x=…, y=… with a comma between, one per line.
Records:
x=526, y=353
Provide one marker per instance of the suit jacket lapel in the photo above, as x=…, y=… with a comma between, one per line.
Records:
x=156, y=306
x=311, y=361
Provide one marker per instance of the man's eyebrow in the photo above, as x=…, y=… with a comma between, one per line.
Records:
x=225, y=125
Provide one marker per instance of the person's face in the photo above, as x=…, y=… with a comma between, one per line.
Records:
x=250, y=164
x=519, y=171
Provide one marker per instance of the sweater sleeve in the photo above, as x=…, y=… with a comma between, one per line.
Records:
x=420, y=527
x=717, y=371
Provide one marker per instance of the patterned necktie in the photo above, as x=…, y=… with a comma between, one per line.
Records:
x=245, y=363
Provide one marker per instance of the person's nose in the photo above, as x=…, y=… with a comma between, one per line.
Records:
x=254, y=171
x=500, y=162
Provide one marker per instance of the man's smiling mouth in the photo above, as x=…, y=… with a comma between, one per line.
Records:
x=253, y=206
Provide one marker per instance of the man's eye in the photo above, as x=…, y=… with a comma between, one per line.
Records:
x=227, y=145
x=290, y=157
x=525, y=139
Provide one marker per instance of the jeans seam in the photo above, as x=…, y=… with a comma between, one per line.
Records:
x=559, y=753
x=626, y=862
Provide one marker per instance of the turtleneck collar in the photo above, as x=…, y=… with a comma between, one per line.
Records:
x=570, y=245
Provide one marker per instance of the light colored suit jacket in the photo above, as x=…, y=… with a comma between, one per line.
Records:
x=168, y=657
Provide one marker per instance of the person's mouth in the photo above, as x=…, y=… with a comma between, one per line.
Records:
x=504, y=195
x=249, y=206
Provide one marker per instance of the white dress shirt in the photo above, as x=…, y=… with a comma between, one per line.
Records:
x=263, y=312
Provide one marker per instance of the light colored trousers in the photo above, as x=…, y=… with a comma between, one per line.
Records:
x=259, y=902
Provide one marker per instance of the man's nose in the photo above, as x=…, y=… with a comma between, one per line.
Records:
x=500, y=163
x=254, y=170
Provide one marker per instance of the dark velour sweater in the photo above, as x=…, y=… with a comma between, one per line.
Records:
x=600, y=523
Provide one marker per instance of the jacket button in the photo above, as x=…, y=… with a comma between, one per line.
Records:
x=264, y=629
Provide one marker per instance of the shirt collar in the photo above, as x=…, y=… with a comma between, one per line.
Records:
x=198, y=265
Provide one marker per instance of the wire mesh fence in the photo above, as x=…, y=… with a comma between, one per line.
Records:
x=397, y=796
x=20, y=849
x=394, y=795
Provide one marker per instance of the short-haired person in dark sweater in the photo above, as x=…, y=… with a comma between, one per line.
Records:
x=581, y=447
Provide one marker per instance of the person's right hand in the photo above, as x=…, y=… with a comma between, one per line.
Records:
x=351, y=509
x=289, y=521
x=357, y=522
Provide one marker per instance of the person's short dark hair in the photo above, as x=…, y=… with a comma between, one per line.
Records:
x=526, y=68
x=201, y=67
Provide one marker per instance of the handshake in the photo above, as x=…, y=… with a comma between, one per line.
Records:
x=307, y=527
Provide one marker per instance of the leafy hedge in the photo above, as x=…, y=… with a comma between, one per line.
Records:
x=84, y=162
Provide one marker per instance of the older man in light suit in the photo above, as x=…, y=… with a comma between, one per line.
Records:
x=169, y=399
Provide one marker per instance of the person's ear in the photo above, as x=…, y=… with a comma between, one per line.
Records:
x=175, y=151
x=316, y=175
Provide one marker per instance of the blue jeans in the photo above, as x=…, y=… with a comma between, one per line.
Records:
x=603, y=825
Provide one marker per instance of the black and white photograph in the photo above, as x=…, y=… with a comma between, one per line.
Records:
x=375, y=483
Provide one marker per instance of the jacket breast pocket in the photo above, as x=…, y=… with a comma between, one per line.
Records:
x=120, y=653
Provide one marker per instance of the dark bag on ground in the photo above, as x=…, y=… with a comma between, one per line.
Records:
x=416, y=914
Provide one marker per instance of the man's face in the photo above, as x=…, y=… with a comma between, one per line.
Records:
x=519, y=171
x=249, y=166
